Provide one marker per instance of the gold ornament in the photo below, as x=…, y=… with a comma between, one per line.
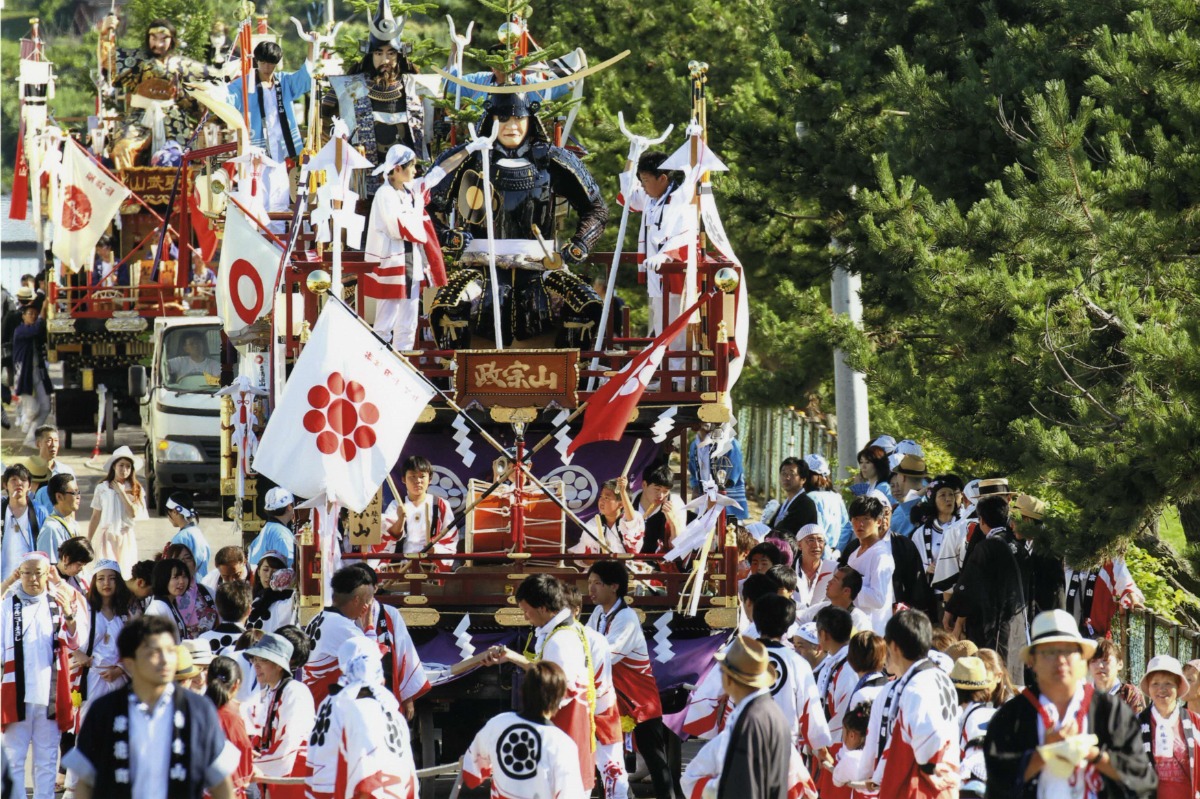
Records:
x=727, y=279
x=510, y=33
x=318, y=281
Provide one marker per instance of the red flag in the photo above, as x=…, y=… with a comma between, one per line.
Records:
x=20, y=189
x=609, y=409
x=202, y=226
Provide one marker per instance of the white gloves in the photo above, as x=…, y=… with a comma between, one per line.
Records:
x=654, y=262
x=479, y=145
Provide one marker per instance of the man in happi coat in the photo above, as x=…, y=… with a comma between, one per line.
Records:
x=353, y=592
x=637, y=692
x=912, y=738
x=559, y=639
x=360, y=742
x=1039, y=743
x=35, y=691
x=753, y=757
x=152, y=738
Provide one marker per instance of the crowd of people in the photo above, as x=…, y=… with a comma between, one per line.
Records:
x=949, y=656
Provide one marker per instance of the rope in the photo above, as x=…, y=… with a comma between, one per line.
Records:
x=435, y=771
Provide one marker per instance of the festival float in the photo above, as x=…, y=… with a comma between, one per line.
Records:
x=520, y=384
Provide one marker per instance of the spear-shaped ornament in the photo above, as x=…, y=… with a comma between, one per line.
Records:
x=335, y=208
x=491, y=229
x=459, y=43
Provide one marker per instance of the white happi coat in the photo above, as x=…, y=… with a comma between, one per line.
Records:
x=623, y=537
x=608, y=720
x=524, y=760
x=387, y=628
x=808, y=595
x=360, y=746
x=795, y=691
x=328, y=631
x=293, y=723
x=924, y=730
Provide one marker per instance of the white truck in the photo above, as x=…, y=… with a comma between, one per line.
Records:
x=180, y=409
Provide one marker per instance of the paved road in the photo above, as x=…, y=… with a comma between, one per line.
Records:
x=153, y=534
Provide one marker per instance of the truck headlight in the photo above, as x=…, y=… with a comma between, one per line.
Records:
x=178, y=452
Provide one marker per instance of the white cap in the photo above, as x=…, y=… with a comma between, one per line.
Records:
x=278, y=497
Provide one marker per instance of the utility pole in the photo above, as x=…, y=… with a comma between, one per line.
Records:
x=850, y=387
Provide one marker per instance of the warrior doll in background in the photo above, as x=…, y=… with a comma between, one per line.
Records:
x=154, y=76
x=378, y=100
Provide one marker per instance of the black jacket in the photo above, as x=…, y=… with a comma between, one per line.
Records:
x=908, y=580
x=756, y=763
x=1012, y=736
x=802, y=511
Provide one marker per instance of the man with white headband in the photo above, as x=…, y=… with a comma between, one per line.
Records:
x=402, y=238
x=35, y=692
x=360, y=734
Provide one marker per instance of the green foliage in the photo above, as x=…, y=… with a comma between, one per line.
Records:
x=1161, y=598
x=1016, y=184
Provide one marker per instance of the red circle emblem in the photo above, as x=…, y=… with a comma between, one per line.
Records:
x=341, y=418
x=76, y=209
x=241, y=268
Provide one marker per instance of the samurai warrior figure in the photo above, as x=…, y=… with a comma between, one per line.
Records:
x=378, y=99
x=154, y=76
x=529, y=177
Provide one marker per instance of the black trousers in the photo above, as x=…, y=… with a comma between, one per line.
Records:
x=661, y=750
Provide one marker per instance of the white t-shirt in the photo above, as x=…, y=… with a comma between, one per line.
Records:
x=877, y=596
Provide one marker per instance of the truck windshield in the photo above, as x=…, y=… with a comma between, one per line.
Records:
x=187, y=361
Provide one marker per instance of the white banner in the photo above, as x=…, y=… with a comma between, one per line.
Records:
x=247, y=273
x=89, y=201
x=329, y=433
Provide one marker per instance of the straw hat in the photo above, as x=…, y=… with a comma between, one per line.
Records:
x=746, y=662
x=1055, y=627
x=912, y=466
x=200, y=651
x=994, y=485
x=1168, y=664
x=961, y=649
x=1029, y=507
x=185, y=666
x=971, y=674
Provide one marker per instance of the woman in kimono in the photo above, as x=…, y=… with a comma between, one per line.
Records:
x=196, y=606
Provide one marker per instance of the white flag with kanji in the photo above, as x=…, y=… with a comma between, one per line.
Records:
x=89, y=201
x=328, y=434
x=247, y=274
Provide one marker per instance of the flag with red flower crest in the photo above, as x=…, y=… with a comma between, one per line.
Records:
x=346, y=412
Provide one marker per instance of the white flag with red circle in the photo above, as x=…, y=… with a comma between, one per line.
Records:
x=90, y=200
x=247, y=273
x=329, y=434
